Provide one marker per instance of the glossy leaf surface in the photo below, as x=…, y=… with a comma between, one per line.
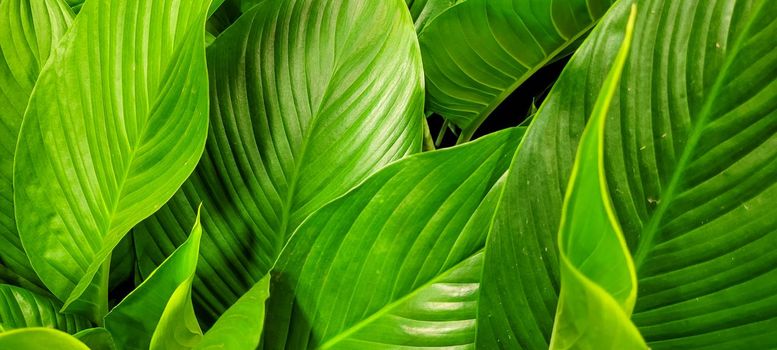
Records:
x=116, y=123
x=307, y=99
x=20, y=308
x=39, y=339
x=29, y=33
x=395, y=262
x=689, y=166
x=598, y=279
x=479, y=51
x=245, y=318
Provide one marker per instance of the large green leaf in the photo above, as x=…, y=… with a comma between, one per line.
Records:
x=245, y=317
x=307, y=99
x=158, y=314
x=598, y=279
x=29, y=32
x=479, y=51
x=116, y=123
x=395, y=262
x=690, y=167
x=20, y=308
x=39, y=339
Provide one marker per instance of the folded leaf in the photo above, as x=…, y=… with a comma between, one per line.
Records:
x=245, y=318
x=689, y=160
x=20, y=308
x=116, y=123
x=158, y=314
x=39, y=339
x=394, y=262
x=307, y=99
x=598, y=280
x=29, y=32
x=479, y=51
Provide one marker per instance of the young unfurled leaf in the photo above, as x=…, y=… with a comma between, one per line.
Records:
x=158, y=314
x=245, y=318
x=598, y=280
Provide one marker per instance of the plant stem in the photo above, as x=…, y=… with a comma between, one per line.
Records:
x=428, y=142
x=441, y=134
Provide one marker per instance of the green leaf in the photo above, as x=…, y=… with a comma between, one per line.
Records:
x=396, y=261
x=159, y=313
x=29, y=32
x=39, y=339
x=478, y=52
x=423, y=11
x=598, y=279
x=307, y=101
x=97, y=339
x=689, y=161
x=117, y=121
x=20, y=308
x=245, y=318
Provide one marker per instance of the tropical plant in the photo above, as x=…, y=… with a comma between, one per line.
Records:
x=262, y=174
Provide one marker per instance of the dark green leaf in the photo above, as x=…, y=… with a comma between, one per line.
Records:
x=479, y=51
x=97, y=339
x=690, y=164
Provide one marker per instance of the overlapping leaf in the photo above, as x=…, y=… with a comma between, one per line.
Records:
x=689, y=160
x=116, y=123
x=20, y=308
x=395, y=262
x=598, y=280
x=39, y=339
x=479, y=51
x=29, y=32
x=307, y=99
x=158, y=314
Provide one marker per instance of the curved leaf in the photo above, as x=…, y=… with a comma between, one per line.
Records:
x=308, y=99
x=20, y=308
x=338, y=283
x=245, y=317
x=160, y=309
x=108, y=137
x=598, y=279
x=689, y=160
x=39, y=339
x=479, y=51
x=29, y=31
x=423, y=11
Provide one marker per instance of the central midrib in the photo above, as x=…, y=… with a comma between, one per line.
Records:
x=647, y=239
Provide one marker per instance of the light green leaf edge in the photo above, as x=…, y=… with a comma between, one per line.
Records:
x=160, y=308
x=245, y=318
x=89, y=188
x=598, y=290
x=39, y=339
